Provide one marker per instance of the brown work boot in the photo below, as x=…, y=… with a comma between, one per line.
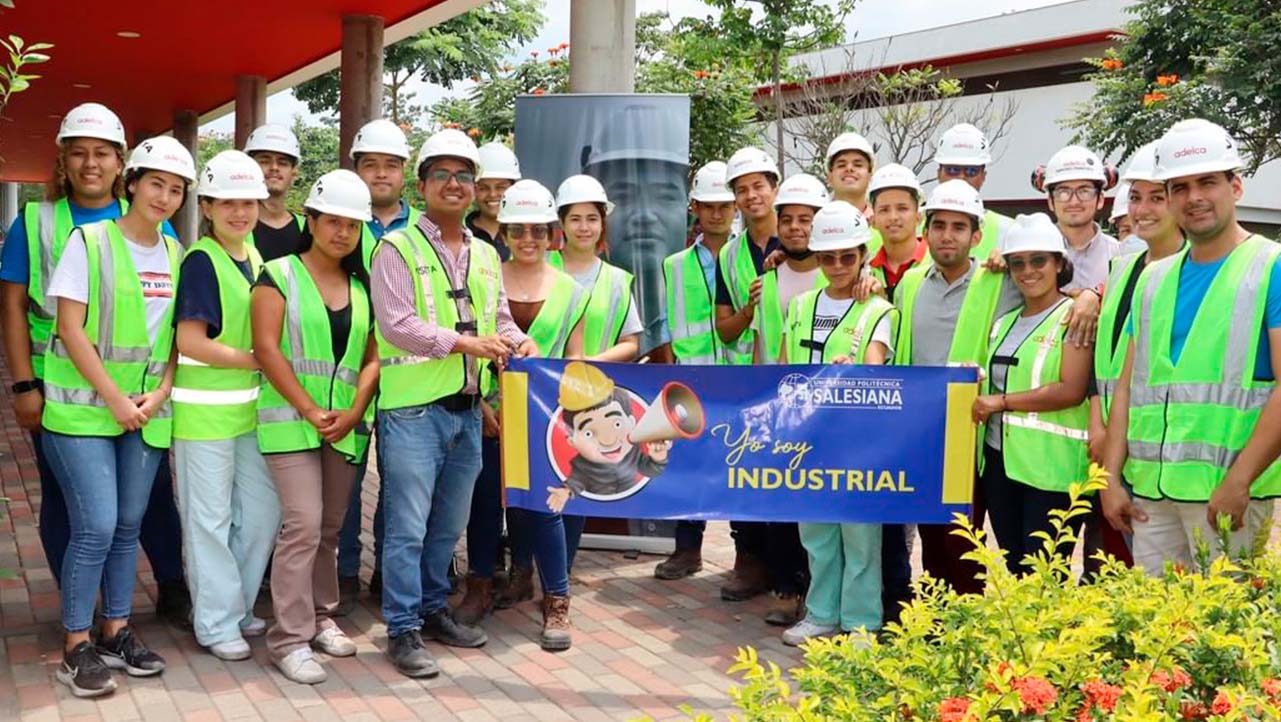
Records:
x=750, y=579
x=476, y=603
x=682, y=563
x=520, y=588
x=556, y=628
x=785, y=609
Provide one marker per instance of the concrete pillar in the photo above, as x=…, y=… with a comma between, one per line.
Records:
x=9, y=195
x=602, y=46
x=251, y=105
x=186, y=130
x=360, y=93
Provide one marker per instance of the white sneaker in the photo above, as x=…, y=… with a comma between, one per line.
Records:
x=301, y=666
x=231, y=651
x=333, y=642
x=256, y=627
x=805, y=630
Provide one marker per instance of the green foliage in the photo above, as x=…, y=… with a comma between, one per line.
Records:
x=1192, y=644
x=1214, y=59
x=12, y=79
x=489, y=111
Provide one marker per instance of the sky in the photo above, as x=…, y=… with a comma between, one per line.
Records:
x=870, y=19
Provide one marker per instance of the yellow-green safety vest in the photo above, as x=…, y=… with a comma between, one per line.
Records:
x=560, y=313
x=368, y=243
x=116, y=323
x=1189, y=421
x=307, y=344
x=611, y=299
x=1046, y=450
x=406, y=380
x=973, y=322
x=1109, y=358
x=738, y=271
x=211, y=402
x=691, y=311
x=851, y=337
x=771, y=316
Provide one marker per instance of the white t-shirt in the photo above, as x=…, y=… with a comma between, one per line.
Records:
x=71, y=277
x=631, y=322
x=829, y=311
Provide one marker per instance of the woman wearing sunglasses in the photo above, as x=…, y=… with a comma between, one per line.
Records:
x=829, y=326
x=1032, y=414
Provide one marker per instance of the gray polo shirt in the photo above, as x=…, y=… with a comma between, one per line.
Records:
x=1090, y=262
x=938, y=304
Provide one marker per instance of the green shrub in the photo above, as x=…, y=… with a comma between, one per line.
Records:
x=1192, y=644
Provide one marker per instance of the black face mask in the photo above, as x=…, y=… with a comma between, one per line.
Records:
x=797, y=255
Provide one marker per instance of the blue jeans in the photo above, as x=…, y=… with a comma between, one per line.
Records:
x=106, y=482
x=349, y=536
x=430, y=473
x=546, y=537
x=485, y=526
x=161, y=534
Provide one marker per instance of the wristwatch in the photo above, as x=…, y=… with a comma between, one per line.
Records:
x=22, y=387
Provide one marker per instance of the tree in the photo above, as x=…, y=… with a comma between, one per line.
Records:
x=773, y=30
x=466, y=46
x=1213, y=59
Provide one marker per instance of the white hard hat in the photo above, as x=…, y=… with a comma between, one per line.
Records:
x=582, y=189
x=380, y=136
x=710, y=186
x=163, y=153
x=895, y=175
x=1074, y=162
x=233, y=175
x=1120, y=202
x=956, y=195
x=1142, y=165
x=92, y=120
x=749, y=160
x=801, y=189
x=1193, y=147
x=275, y=139
x=340, y=193
x=448, y=143
x=498, y=161
x=1034, y=232
x=963, y=144
x=838, y=226
x=527, y=201
x=849, y=141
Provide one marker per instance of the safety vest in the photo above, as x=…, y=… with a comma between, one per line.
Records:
x=993, y=227
x=408, y=380
x=1109, y=358
x=116, y=323
x=738, y=271
x=1046, y=450
x=691, y=310
x=306, y=343
x=973, y=321
x=299, y=218
x=771, y=316
x=48, y=225
x=210, y=402
x=1189, y=421
x=851, y=337
x=560, y=313
x=611, y=298
x=368, y=242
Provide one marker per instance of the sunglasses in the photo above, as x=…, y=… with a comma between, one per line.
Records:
x=956, y=171
x=834, y=259
x=1083, y=193
x=538, y=233
x=440, y=175
x=1037, y=262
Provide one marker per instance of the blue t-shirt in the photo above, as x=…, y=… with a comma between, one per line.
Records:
x=15, y=259
x=198, y=298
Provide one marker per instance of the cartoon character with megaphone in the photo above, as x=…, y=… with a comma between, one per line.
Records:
x=615, y=451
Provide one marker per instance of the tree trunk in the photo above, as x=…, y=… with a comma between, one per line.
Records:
x=778, y=106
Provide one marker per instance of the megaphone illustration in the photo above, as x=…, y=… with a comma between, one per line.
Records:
x=675, y=414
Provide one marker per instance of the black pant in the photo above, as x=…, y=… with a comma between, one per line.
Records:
x=896, y=571
x=1017, y=511
x=778, y=545
x=689, y=535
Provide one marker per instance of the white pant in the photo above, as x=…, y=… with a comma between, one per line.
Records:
x=230, y=519
x=1169, y=534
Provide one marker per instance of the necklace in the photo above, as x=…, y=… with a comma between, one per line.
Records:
x=522, y=292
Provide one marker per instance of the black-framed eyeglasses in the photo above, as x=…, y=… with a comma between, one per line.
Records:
x=440, y=175
x=1037, y=261
x=538, y=233
x=834, y=259
x=1081, y=193
x=956, y=171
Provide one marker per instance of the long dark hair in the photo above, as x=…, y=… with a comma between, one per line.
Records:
x=353, y=263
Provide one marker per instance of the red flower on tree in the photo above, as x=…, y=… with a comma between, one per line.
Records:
x=1112, y=64
x=1166, y=81
x=1036, y=693
x=1101, y=694
x=1152, y=98
x=1222, y=703
x=1192, y=711
x=954, y=709
x=1272, y=688
x=1171, y=681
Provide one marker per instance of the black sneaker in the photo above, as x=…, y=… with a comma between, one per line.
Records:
x=84, y=672
x=125, y=651
x=173, y=603
x=407, y=652
x=440, y=626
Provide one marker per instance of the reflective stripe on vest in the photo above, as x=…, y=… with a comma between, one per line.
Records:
x=771, y=316
x=973, y=322
x=212, y=402
x=1189, y=421
x=1109, y=358
x=116, y=323
x=305, y=342
x=1042, y=449
x=611, y=297
x=737, y=270
x=851, y=337
x=691, y=310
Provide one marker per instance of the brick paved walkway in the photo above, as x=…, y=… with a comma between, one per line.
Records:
x=641, y=646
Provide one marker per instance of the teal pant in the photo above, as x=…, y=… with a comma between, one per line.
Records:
x=845, y=575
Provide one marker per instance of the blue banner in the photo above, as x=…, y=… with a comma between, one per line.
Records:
x=839, y=443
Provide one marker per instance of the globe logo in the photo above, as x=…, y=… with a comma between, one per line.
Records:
x=794, y=390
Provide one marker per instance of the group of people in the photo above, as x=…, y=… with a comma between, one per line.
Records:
x=273, y=352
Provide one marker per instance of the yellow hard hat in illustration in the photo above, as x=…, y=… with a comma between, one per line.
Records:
x=583, y=386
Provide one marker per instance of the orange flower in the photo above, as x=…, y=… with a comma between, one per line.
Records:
x=539, y=91
x=1171, y=681
x=955, y=709
x=1166, y=81
x=701, y=74
x=473, y=132
x=1152, y=98
x=1098, y=692
x=1036, y=694
x=1112, y=64
x=1272, y=688
x=1190, y=710
x=1222, y=703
